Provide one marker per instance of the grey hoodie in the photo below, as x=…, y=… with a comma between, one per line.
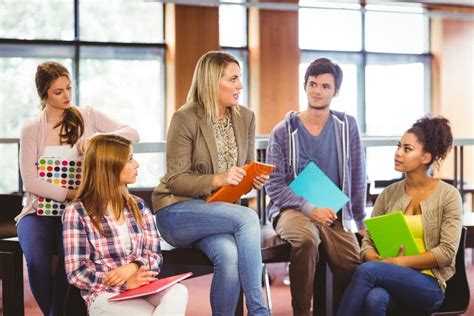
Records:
x=282, y=151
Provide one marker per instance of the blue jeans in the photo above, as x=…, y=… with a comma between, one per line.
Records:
x=377, y=287
x=229, y=235
x=40, y=238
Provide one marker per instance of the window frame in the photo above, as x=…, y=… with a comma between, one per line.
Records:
x=362, y=58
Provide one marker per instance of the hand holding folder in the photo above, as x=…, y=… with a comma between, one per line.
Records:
x=151, y=288
x=390, y=231
x=316, y=187
x=232, y=193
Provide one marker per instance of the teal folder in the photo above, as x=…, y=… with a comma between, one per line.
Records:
x=315, y=186
x=390, y=231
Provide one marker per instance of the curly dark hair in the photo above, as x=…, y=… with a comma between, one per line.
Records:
x=434, y=133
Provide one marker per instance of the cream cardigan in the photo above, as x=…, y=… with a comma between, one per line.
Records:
x=441, y=216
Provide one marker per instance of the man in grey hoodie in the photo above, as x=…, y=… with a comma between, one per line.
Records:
x=332, y=141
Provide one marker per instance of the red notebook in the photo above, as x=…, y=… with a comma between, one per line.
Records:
x=232, y=193
x=150, y=288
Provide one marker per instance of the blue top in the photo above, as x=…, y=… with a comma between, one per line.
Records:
x=319, y=149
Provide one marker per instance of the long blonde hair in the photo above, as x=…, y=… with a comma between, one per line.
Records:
x=72, y=124
x=104, y=160
x=204, y=88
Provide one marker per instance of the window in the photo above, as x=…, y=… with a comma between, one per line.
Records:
x=122, y=21
x=233, y=39
x=396, y=32
x=47, y=19
x=382, y=51
x=394, y=91
x=331, y=28
x=116, y=78
x=232, y=25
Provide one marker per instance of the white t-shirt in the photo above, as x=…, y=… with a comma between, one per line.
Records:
x=124, y=236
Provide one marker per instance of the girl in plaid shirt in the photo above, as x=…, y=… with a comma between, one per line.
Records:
x=111, y=243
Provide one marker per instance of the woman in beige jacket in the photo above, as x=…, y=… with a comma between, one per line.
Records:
x=208, y=141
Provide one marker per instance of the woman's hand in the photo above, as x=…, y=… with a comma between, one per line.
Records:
x=120, y=275
x=233, y=176
x=71, y=194
x=260, y=181
x=82, y=145
x=395, y=260
x=141, y=277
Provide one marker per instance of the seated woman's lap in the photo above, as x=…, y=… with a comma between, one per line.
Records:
x=184, y=223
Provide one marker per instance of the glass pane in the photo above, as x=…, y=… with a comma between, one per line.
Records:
x=18, y=98
x=241, y=57
x=130, y=91
x=121, y=21
x=380, y=165
x=152, y=168
x=47, y=19
x=394, y=92
x=232, y=25
x=395, y=32
x=346, y=101
x=329, y=29
x=9, y=168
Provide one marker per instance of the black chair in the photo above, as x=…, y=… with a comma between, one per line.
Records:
x=457, y=291
x=11, y=256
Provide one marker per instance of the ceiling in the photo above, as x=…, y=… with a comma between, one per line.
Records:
x=469, y=3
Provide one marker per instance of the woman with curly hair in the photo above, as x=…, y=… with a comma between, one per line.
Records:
x=432, y=209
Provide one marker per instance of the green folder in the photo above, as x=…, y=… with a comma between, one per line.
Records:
x=390, y=231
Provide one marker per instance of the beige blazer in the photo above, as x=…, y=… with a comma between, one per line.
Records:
x=191, y=154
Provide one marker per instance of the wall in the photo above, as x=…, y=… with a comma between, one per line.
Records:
x=453, y=82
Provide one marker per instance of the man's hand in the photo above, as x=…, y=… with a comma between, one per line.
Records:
x=120, y=275
x=325, y=216
x=141, y=277
x=362, y=232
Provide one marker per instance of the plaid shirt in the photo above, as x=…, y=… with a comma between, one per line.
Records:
x=88, y=255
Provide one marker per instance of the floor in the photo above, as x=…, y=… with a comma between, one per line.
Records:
x=199, y=293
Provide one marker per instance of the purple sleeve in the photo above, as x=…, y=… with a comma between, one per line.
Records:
x=278, y=185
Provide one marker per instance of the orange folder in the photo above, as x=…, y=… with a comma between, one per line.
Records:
x=150, y=288
x=232, y=193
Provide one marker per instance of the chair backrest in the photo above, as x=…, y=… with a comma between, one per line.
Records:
x=144, y=193
x=457, y=291
x=10, y=205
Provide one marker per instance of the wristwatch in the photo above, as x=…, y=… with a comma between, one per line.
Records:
x=138, y=263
